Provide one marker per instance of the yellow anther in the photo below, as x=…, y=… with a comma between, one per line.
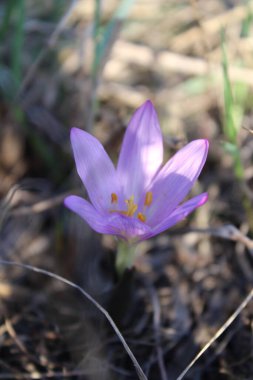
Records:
x=131, y=206
x=141, y=217
x=114, y=198
x=148, y=198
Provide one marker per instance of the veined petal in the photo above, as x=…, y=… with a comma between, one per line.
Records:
x=176, y=179
x=112, y=224
x=141, y=152
x=95, y=168
x=178, y=214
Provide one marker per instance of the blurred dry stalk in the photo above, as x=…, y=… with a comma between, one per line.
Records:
x=171, y=53
x=176, y=53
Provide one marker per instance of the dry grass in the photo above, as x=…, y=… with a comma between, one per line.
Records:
x=188, y=281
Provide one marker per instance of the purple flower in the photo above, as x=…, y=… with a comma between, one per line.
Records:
x=140, y=198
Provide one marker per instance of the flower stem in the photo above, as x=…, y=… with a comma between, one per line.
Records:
x=125, y=257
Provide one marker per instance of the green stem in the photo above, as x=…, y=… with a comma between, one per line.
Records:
x=8, y=9
x=238, y=167
x=125, y=256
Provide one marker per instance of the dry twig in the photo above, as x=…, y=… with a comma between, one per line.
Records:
x=41, y=206
x=12, y=333
x=228, y=232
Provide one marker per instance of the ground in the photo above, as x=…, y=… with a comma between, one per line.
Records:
x=188, y=281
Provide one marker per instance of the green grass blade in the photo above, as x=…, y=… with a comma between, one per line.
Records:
x=8, y=11
x=246, y=24
x=230, y=129
x=17, y=41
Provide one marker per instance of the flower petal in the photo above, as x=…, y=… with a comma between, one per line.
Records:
x=88, y=212
x=178, y=214
x=127, y=228
x=95, y=168
x=141, y=152
x=175, y=180
x=113, y=224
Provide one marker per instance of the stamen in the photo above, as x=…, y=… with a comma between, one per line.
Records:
x=148, y=198
x=114, y=198
x=131, y=206
x=141, y=217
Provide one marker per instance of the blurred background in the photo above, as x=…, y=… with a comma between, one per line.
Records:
x=90, y=64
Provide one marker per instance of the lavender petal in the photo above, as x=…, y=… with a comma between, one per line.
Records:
x=141, y=152
x=110, y=223
x=175, y=180
x=94, y=168
x=178, y=214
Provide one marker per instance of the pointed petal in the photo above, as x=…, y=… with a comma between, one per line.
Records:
x=113, y=224
x=179, y=213
x=141, y=152
x=86, y=211
x=176, y=179
x=94, y=168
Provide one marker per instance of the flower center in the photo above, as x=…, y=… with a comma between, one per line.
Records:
x=132, y=207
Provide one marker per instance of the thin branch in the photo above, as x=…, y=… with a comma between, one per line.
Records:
x=228, y=232
x=41, y=206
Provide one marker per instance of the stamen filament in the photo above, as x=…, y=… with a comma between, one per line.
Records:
x=131, y=206
x=141, y=217
x=148, y=198
x=114, y=198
